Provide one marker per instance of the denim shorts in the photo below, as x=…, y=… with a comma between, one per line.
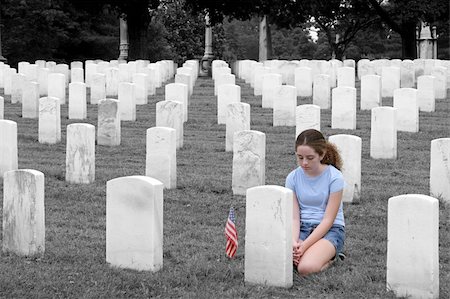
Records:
x=336, y=234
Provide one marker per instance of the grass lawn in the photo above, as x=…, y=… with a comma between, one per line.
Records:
x=195, y=213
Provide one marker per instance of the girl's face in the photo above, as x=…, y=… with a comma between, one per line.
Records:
x=309, y=160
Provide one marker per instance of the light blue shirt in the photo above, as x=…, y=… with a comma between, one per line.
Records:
x=313, y=193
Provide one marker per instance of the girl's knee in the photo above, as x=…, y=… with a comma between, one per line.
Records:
x=307, y=268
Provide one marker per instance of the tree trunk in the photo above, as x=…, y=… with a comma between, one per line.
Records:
x=138, y=19
x=408, y=35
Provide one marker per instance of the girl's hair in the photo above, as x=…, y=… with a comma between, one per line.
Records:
x=316, y=141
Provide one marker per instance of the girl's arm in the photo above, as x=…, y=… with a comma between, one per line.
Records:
x=334, y=201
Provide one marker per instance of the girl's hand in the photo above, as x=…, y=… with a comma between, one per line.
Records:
x=297, y=253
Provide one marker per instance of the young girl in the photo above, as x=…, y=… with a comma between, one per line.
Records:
x=318, y=226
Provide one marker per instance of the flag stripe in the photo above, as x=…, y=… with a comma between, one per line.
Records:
x=231, y=235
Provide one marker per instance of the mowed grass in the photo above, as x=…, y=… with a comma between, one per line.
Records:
x=195, y=213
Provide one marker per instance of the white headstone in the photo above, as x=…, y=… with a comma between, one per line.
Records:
x=77, y=75
x=178, y=92
x=343, y=108
x=440, y=82
x=57, y=87
x=124, y=72
x=390, y=81
x=307, y=117
x=284, y=105
x=227, y=94
x=43, y=81
x=223, y=79
x=350, y=149
x=134, y=223
x=112, y=81
x=346, y=76
x=127, y=101
x=91, y=69
x=426, y=93
x=80, y=153
x=383, y=133
x=440, y=169
x=17, y=83
x=8, y=146
x=413, y=246
x=77, y=100
x=370, y=92
x=268, y=236
x=49, y=120
x=184, y=79
x=140, y=81
x=249, y=160
x=23, y=212
x=161, y=156
x=405, y=100
x=7, y=80
x=271, y=84
x=170, y=114
x=407, y=75
x=30, y=100
x=238, y=119
x=2, y=108
x=321, y=91
x=109, y=130
x=304, y=81
x=98, y=88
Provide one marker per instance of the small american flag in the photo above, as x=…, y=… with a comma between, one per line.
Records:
x=231, y=234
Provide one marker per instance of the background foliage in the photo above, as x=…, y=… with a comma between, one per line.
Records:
x=68, y=30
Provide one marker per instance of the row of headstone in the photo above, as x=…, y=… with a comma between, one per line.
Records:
x=303, y=71
x=134, y=231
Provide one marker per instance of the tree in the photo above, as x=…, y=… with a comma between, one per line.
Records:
x=402, y=16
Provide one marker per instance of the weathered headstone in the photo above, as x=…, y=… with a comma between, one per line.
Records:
x=227, y=94
x=370, y=92
x=268, y=236
x=413, y=246
x=8, y=146
x=134, y=223
x=17, y=83
x=343, y=108
x=80, y=153
x=161, y=156
x=238, y=119
x=223, y=79
x=284, y=105
x=49, y=120
x=109, y=129
x=112, y=81
x=184, y=79
x=321, y=91
x=440, y=168
x=249, y=160
x=307, y=117
x=383, y=133
x=170, y=114
x=7, y=80
x=405, y=100
x=178, y=92
x=350, y=149
x=77, y=100
x=23, y=212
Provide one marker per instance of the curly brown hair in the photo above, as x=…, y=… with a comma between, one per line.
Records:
x=317, y=141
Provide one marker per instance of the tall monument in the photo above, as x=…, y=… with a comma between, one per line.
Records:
x=206, y=62
x=123, y=47
x=426, y=41
x=2, y=59
x=265, y=41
